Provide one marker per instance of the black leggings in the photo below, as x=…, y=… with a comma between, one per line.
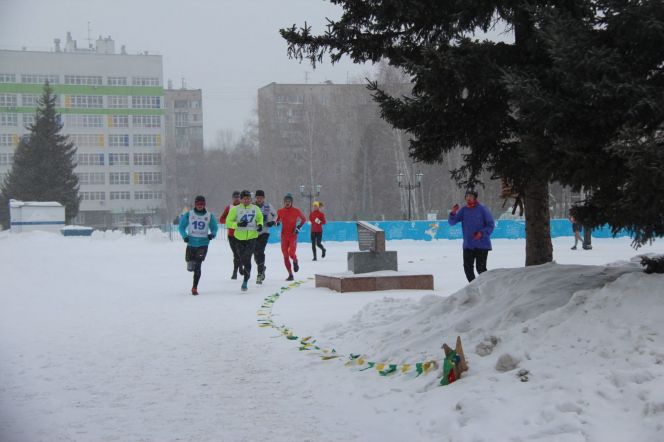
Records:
x=317, y=240
x=477, y=257
x=259, y=252
x=232, y=242
x=245, y=248
x=196, y=254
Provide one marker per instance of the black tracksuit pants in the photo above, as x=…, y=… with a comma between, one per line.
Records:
x=197, y=255
x=245, y=249
x=259, y=252
x=474, y=257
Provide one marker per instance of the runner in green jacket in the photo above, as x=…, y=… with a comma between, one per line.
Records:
x=247, y=220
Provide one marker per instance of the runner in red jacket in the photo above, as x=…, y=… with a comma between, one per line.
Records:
x=288, y=217
x=317, y=219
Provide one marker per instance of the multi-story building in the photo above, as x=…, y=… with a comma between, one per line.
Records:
x=112, y=108
x=329, y=135
x=183, y=122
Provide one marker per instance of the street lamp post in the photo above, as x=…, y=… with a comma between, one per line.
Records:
x=315, y=191
x=409, y=186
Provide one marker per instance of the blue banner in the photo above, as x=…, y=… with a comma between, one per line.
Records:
x=429, y=230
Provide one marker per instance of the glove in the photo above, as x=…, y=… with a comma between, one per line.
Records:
x=210, y=236
x=477, y=236
x=259, y=228
x=186, y=239
x=270, y=223
x=297, y=229
x=243, y=223
x=455, y=209
x=317, y=220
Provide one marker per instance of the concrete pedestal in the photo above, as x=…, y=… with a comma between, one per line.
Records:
x=379, y=281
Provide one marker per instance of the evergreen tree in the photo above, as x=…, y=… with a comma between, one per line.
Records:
x=487, y=96
x=43, y=168
x=601, y=105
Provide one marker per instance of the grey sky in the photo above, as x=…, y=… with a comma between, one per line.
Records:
x=227, y=48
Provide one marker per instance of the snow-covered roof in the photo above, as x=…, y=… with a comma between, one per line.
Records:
x=17, y=203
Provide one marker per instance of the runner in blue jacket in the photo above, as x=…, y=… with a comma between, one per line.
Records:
x=197, y=227
x=477, y=225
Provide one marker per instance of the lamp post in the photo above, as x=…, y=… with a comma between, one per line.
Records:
x=315, y=191
x=409, y=186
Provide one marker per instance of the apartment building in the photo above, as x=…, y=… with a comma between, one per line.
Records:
x=112, y=108
x=183, y=122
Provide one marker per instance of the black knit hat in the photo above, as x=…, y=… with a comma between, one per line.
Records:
x=245, y=193
x=472, y=192
x=236, y=194
x=288, y=196
x=199, y=198
x=259, y=193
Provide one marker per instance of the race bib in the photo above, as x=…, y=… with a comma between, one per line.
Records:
x=198, y=224
x=247, y=214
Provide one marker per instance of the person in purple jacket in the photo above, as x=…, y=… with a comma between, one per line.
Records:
x=477, y=225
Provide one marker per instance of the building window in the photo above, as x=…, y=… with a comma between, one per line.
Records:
x=117, y=81
x=118, y=140
x=147, y=159
x=146, y=120
x=40, y=78
x=118, y=102
x=147, y=178
x=29, y=99
x=118, y=178
x=147, y=195
x=8, y=120
x=28, y=119
x=7, y=78
x=147, y=140
x=95, y=140
x=181, y=118
x=181, y=104
x=90, y=80
x=8, y=100
x=8, y=139
x=77, y=121
x=118, y=159
x=87, y=178
x=89, y=159
x=118, y=121
x=84, y=101
x=93, y=196
x=123, y=195
x=6, y=159
x=142, y=102
x=145, y=81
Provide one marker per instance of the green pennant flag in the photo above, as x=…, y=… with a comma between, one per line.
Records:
x=448, y=366
x=369, y=365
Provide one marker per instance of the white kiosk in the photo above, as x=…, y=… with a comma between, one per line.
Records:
x=26, y=216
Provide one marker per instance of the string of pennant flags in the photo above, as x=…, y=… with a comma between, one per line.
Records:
x=357, y=360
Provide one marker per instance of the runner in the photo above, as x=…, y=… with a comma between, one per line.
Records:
x=288, y=217
x=246, y=220
x=269, y=216
x=197, y=227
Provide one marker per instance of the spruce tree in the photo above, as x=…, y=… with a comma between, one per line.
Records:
x=510, y=104
x=43, y=168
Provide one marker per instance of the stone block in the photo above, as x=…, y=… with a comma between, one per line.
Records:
x=365, y=262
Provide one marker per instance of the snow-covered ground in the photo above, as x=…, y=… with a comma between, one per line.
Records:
x=101, y=341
